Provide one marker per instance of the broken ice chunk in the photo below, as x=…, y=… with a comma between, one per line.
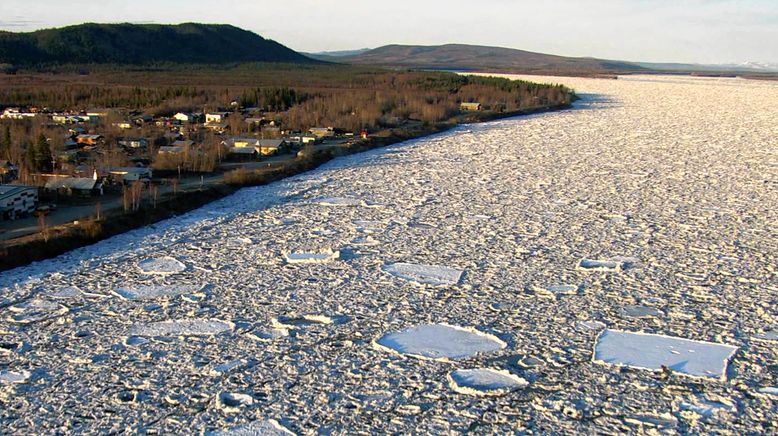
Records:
x=425, y=274
x=485, y=381
x=439, y=342
x=656, y=352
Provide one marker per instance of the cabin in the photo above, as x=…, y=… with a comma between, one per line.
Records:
x=80, y=186
x=470, y=107
x=17, y=201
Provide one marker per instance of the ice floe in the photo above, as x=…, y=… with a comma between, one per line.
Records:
x=151, y=292
x=181, y=327
x=161, y=265
x=485, y=381
x=425, y=274
x=439, y=342
x=328, y=255
x=269, y=427
x=14, y=377
x=35, y=310
x=658, y=352
x=599, y=265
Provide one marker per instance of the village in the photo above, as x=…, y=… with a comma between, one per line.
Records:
x=97, y=158
x=81, y=156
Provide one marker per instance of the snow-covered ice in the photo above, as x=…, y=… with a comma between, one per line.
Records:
x=440, y=341
x=655, y=352
x=485, y=381
x=675, y=179
x=425, y=274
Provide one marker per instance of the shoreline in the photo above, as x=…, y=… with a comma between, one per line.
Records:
x=61, y=239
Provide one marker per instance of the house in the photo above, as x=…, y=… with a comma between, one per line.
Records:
x=270, y=146
x=216, y=117
x=243, y=153
x=185, y=117
x=241, y=142
x=14, y=113
x=17, y=201
x=133, y=142
x=300, y=140
x=470, y=107
x=125, y=125
x=81, y=186
x=8, y=171
x=89, y=139
x=172, y=149
x=216, y=127
x=140, y=120
x=182, y=143
x=322, y=132
x=130, y=174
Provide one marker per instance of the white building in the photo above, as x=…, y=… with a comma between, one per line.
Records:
x=13, y=113
x=216, y=117
x=17, y=200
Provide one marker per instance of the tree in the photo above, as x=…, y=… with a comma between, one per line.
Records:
x=40, y=156
x=5, y=145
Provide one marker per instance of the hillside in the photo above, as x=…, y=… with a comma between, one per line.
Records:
x=474, y=57
x=142, y=44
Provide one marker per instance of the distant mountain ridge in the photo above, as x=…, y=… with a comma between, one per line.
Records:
x=483, y=58
x=142, y=44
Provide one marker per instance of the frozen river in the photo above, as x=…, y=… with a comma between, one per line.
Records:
x=491, y=278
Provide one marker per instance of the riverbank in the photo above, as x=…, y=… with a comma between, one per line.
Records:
x=58, y=240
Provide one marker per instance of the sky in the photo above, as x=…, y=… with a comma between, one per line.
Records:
x=689, y=31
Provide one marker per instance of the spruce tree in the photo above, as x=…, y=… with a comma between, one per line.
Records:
x=43, y=154
x=5, y=145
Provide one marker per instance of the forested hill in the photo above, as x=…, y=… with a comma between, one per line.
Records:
x=142, y=44
x=482, y=58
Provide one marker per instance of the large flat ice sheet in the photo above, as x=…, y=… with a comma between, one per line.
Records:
x=647, y=351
